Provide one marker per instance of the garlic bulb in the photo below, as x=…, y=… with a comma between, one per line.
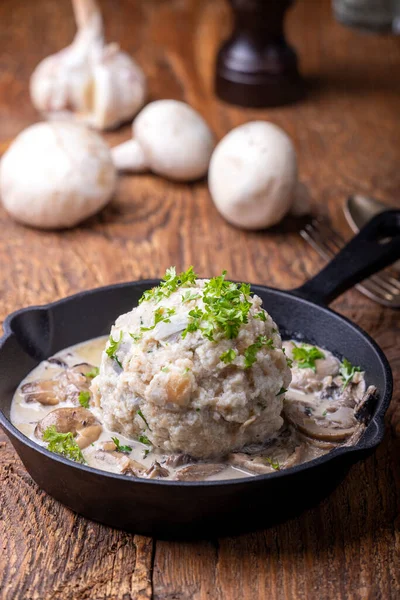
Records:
x=171, y=139
x=55, y=175
x=253, y=175
x=95, y=83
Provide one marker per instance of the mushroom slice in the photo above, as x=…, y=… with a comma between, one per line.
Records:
x=66, y=386
x=199, y=471
x=156, y=470
x=329, y=429
x=43, y=391
x=137, y=468
x=79, y=421
x=178, y=460
x=254, y=464
x=364, y=408
x=106, y=460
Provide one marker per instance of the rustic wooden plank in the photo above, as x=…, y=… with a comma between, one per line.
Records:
x=346, y=133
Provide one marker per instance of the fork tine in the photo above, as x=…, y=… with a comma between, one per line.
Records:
x=312, y=234
x=386, y=281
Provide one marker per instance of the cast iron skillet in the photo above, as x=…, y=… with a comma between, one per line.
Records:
x=192, y=509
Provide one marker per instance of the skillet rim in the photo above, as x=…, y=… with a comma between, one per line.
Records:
x=359, y=447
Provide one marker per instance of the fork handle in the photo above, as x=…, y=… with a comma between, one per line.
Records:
x=375, y=247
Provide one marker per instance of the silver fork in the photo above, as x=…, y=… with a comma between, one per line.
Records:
x=382, y=288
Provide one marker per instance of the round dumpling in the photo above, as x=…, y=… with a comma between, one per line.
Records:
x=197, y=368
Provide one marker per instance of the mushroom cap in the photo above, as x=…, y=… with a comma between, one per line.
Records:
x=55, y=175
x=175, y=139
x=253, y=175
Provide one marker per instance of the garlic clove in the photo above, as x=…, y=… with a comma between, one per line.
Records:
x=88, y=81
x=119, y=89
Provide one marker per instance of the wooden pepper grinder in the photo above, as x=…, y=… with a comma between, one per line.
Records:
x=255, y=66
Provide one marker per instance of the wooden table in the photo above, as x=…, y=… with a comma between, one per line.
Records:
x=347, y=134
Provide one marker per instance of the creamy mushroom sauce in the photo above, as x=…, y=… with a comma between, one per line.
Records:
x=319, y=413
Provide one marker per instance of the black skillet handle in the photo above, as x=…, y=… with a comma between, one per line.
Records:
x=375, y=247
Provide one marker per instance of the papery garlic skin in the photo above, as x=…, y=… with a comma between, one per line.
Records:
x=171, y=139
x=119, y=89
x=89, y=81
x=55, y=175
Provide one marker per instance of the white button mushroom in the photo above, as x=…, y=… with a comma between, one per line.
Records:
x=253, y=175
x=94, y=83
x=55, y=175
x=169, y=138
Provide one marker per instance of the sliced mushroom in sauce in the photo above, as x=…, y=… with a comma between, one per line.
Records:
x=64, y=387
x=320, y=414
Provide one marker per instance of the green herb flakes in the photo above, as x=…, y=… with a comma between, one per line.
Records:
x=93, y=373
x=170, y=283
x=113, y=347
x=161, y=315
x=289, y=361
x=84, y=398
x=189, y=296
x=275, y=465
x=282, y=391
x=261, y=315
x=250, y=354
x=347, y=371
x=228, y=356
x=136, y=336
x=226, y=309
x=141, y=415
x=143, y=439
x=63, y=444
x=120, y=447
x=306, y=355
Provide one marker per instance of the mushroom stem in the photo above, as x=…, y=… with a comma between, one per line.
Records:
x=129, y=156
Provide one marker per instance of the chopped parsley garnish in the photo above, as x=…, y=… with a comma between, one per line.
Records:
x=261, y=315
x=93, y=373
x=120, y=447
x=308, y=411
x=324, y=413
x=161, y=315
x=113, y=347
x=282, y=391
x=250, y=354
x=141, y=415
x=275, y=465
x=136, y=336
x=228, y=356
x=188, y=296
x=170, y=283
x=165, y=369
x=226, y=309
x=347, y=371
x=289, y=361
x=306, y=355
x=83, y=398
x=143, y=439
x=63, y=444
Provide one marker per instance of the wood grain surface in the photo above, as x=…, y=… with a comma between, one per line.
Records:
x=347, y=134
